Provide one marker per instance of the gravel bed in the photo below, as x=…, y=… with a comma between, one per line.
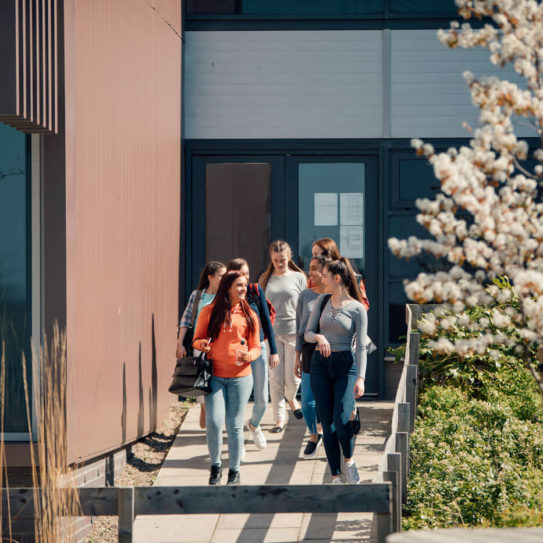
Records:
x=142, y=468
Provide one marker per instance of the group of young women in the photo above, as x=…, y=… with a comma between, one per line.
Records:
x=318, y=339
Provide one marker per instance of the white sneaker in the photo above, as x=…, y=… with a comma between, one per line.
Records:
x=337, y=481
x=351, y=473
x=258, y=437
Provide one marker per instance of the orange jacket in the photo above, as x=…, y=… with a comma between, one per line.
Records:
x=223, y=349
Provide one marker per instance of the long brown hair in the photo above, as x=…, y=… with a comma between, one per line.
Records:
x=211, y=268
x=329, y=248
x=221, y=306
x=343, y=268
x=278, y=246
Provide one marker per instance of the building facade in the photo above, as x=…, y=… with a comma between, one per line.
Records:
x=90, y=169
x=312, y=105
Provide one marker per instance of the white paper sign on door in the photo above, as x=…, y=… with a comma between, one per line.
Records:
x=351, y=208
x=325, y=208
x=351, y=241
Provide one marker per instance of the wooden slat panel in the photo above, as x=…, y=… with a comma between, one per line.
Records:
x=28, y=63
x=375, y=497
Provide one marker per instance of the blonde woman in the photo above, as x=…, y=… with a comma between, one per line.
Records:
x=283, y=282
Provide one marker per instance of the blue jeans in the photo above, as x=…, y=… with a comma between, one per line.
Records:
x=259, y=368
x=308, y=404
x=332, y=381
x=226, y=403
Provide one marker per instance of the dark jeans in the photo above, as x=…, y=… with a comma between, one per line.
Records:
x=332, y=382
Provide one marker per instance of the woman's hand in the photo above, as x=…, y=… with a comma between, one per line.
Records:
x=204, y=346
x=359, y=388
x=180, y=352
x=243, y=357
x=324, y=346
x=298, y=365
x=273, y=361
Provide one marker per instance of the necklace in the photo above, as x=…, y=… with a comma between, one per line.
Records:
x=230, y=319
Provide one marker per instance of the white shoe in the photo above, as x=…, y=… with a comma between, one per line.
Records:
x=258, y=437
x=351, y=473
x=337, y=481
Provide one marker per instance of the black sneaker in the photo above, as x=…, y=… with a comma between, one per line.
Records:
x=216, y=474
x=233, y=477
x=356, y=423
x=312, y=448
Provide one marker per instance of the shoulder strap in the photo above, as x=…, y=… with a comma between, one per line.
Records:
x=195, y=306
x=323, y=304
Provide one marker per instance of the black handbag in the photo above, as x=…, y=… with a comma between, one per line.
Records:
x=192, y=376
x=309, y=348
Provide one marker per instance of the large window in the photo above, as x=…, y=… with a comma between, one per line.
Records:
x=15, y=274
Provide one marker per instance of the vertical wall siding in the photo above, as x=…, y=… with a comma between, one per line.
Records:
x=123, y=60
x=283, y=84
x=329, y=84
x=429, y=97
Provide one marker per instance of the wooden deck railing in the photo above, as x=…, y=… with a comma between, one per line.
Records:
x=384, y=498
x=394, y=466
x=128, y=502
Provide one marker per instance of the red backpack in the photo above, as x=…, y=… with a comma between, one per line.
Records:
x=253, y=291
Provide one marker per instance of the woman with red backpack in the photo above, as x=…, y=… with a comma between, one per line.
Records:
x=257, y=302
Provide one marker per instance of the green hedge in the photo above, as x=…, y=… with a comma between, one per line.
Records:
x=477, y=453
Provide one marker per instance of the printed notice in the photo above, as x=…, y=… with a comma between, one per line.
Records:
x=351, y=209
x=325, y=208
x=351, y=241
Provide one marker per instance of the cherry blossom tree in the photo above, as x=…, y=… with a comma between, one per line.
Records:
x=487, y=220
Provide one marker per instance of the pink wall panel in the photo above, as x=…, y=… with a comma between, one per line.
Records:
x=123, y=149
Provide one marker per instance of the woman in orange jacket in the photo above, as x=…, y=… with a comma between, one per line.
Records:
x=228, y=330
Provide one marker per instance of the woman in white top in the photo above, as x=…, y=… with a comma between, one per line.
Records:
x=283, y=282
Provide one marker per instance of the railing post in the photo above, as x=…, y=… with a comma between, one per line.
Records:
x=393, y=473
x=411, y=393
x=384, y=526
x=402, y=447
x=414, y=348
x=404, y=417
x=125, y=508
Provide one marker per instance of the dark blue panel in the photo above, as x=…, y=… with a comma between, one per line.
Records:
x=311, y=7
x=412, y=177
x=421, y=7
x=15, y=284
x=396, y=313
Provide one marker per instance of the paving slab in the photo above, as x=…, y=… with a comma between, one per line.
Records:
x=187, y=464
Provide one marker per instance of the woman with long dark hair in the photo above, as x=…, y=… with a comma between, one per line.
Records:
x=337, y=376
x=210, y=277
x=229, y=331
x=257, y=302
x=282, y=283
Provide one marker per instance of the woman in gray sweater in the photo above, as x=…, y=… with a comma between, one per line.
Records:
x=337, y=377
x=282, y=282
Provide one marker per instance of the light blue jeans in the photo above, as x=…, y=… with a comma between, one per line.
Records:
x=308, y=404
x=260, y=379
x=226, y=403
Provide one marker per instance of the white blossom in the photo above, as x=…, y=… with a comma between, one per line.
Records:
x=488, y=183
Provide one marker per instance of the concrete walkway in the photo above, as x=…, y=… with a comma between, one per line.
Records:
x=282, y=462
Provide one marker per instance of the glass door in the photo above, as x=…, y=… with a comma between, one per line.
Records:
x=336, y=197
